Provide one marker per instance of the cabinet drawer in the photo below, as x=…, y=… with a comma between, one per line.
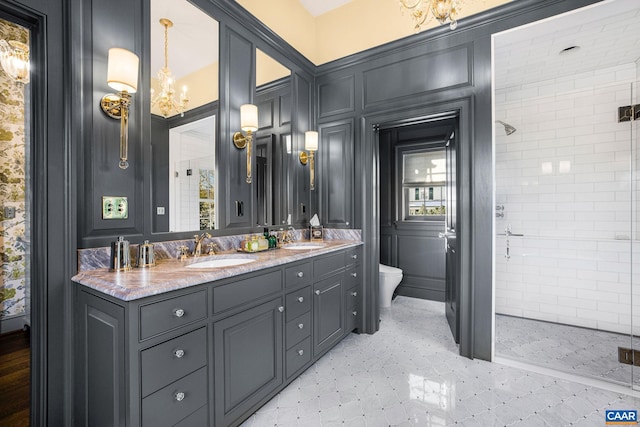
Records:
x=353, y=256
x=352, y=296
x=353, y=318
x=197, y=419
x=328, y=265
x=297, y=303
x=163, y=316
x=171, y=360
x=352, y=276
x=298, y=329
x=246, y=290
x=298, y=275
x=298, y=356
x=174, y=402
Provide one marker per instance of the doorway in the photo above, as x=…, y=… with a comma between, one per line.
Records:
x=417, y=209
x=15, y=222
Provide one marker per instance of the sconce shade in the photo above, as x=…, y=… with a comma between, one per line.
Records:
x=249, y=117
x=122, y=70
x=311, y=140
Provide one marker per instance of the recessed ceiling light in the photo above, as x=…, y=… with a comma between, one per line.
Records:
x=570, y=49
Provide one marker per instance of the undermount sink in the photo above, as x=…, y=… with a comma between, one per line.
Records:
x=219, y=261
x=301, y=246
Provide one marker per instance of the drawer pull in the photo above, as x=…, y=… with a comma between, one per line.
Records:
x=354, y=274
x=300, y=325
x=179, y=396
x=179, y=353
x=300, y=299
x=355, y=313
x=300, y=274
x=317, y=291
x=300, y=352
x=354, y=256
x=281, y=309
x=178, y=312
x=354, y=294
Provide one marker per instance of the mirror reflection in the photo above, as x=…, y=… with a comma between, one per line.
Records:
x=273, y=142
x=184, y=95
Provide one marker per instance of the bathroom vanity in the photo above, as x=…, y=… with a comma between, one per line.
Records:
x=181, y=346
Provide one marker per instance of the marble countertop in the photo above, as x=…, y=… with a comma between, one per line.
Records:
x=172, y=274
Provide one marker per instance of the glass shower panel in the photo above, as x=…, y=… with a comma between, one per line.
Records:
x=565, y=196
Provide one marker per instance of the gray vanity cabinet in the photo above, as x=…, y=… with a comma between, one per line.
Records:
x=210, y=354
x=248, y=359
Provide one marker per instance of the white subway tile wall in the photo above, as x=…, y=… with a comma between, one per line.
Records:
x=565, y=180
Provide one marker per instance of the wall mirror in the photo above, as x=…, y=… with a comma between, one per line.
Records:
x=273, y=143
x=184, y=110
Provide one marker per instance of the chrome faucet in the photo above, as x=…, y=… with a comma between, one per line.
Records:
x=288, y=235
x=197, y=250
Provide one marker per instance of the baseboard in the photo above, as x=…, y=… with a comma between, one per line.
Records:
x=428, y=294
x=12, y=324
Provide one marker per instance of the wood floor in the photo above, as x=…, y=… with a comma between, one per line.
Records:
x=14, y=379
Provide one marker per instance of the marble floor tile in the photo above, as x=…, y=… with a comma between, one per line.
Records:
x=410, y=374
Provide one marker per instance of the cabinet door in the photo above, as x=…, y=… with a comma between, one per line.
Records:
x=335, y=164
x=328, y=310
x=248, y=353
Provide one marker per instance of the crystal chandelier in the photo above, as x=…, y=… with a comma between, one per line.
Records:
x=422, y=11
x=165, y=100
x=14, y=57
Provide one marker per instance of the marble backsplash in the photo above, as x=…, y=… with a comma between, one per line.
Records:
x=94, y=258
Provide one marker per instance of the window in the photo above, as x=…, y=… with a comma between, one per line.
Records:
x=423, y=185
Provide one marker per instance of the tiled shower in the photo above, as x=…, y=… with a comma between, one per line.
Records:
x=566, y=193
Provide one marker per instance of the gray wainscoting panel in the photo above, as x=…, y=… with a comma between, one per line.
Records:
x=443, y=69
x=337, y=96
x=265, y=114
x=423, y=266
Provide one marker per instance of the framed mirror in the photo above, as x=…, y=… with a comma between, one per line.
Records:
x=273, y=158
x=184, y=113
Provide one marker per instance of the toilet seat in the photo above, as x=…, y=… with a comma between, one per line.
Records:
x=388, y=270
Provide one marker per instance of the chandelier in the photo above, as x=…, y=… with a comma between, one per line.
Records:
x=165, y=100
x=14, y=57
x=422, y=11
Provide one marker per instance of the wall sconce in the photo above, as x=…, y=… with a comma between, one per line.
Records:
x=249, y=124
x=122, y=75
x=311, y=145
x=14, y=57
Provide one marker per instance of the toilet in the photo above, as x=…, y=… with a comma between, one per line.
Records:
x=390, y=278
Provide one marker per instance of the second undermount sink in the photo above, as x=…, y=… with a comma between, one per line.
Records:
x=301, y=246
x=219, y=261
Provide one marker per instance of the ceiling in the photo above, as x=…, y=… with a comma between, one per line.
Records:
x=608, y=34
x=320, y=7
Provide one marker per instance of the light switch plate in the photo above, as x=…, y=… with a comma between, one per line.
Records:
x=115, y=207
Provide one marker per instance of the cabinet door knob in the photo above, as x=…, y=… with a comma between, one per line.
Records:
x=300, y=274
x=354, y=294
x=354, y=274
x=355, y=313
x=300, y=299
x=300, y=325
x=178, y=312
x=300, y=352
x=179, y=396
x=179, y=353
x=281, y=309
x=317, y=291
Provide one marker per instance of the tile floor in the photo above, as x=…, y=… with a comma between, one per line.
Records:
x=567, y=348
x=409, y=374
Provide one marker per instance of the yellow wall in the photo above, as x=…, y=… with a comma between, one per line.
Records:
x=354, y=27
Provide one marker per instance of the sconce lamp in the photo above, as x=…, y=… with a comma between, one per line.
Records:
x=249, y=124
x=311, y=145
x=122, y=75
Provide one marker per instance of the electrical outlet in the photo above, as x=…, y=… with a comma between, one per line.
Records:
x=160, y=210
x=115, y=207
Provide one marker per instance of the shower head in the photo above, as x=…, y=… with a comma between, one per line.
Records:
x=508, y=129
